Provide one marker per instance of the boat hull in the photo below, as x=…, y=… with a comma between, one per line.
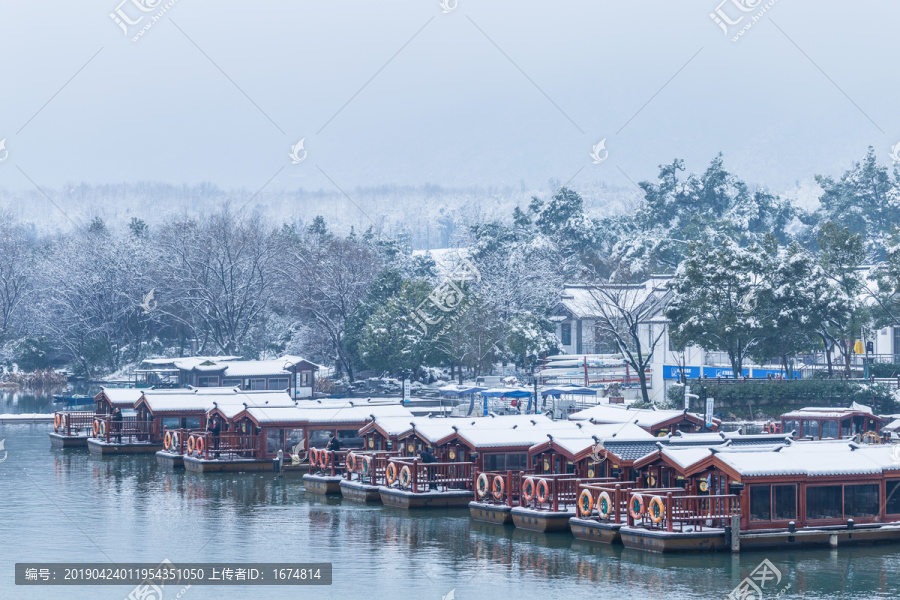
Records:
x=540, y=520
x=360, y=492
x=169, y=460
x=595, y=531
x=103, y=448
x=653, y=540
x=408, y=500
x=490, y=513
x=58, y=440
x=325, y=485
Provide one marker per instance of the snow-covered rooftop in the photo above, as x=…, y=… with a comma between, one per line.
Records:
x=614, y=413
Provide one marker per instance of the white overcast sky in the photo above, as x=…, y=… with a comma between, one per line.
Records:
x=496, y=92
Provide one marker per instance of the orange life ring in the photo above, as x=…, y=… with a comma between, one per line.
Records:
x=656, y=509
x=367, y=465
x=313, y=457
x=542, y=491
x=481, y=485
x=191, y=442
x=351, y=461
x=636, y=506
x=772, y=428
x=62, y=421
x=56, y=420
x=200, y=445
x=528, y=489
x=499, y=487
x=585, y=503
x=325, y=458
x=391, y=473
x=175, y=446
x=96, y=427
x=604, y=505
x=167, y=441
x=405, y=477
x=102, y=428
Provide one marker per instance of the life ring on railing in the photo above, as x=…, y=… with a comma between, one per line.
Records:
x=528, y=489
x=481, y=484
x=96, y=428
x=585, y=503
x=102, y=428
x=313, y=456
x=604, y=505
x=175, y=439
x=498, y=487
x=367, y=465
x=199, y=446
x=636, y=506
x=351, y=462
x=542, y=491
x=62, y=421
x=191, y=442
x=167, y=441
x=325, y=459
x=391, y=473
x=704, y=486
x=773, y=428
x=656, y=509
x=56, y=421
x=405, y=477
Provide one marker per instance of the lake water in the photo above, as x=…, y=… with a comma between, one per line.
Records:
x=66, y=505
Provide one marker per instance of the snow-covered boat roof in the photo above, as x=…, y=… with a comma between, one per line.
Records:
x=828, y=412
x=324, y=414
x=813, y=459
x=205, y=399
x=614, y=413
x=121, y=397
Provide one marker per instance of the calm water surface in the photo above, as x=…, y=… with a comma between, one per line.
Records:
x=66, y=505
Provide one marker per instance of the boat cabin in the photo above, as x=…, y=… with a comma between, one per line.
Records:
x=823, y=423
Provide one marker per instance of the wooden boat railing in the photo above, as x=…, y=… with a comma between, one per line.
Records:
x=334, y=462
x=443, y=476
x=370, y=466
x=225, y=446
x=73, y=423
x=178, y=443
x=563, y=490
x=512, y=487
x=618, y=499
x=680, y=510
x=125, y=430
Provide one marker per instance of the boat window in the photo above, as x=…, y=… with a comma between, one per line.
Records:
x=494, y=462
x=279, y=383
x=784, y=500
x=318, y=438
x=294, y=438
x=190, y=423
x=274, y=440
x=892, y=496
x=760, y=503
x=811, y=429
x=845, y=427
x=349, y=438
x=829, y=429
x=823, y=502
x=208, y=381
x=565, y=330
x=257, y=384
x=233, y=383
x=171, y=423
x=861, y=500
x=791, y=425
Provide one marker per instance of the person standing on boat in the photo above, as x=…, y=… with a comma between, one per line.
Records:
x=215, y=430
x=117, y=418
x=428, y=457
x=333, y=444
